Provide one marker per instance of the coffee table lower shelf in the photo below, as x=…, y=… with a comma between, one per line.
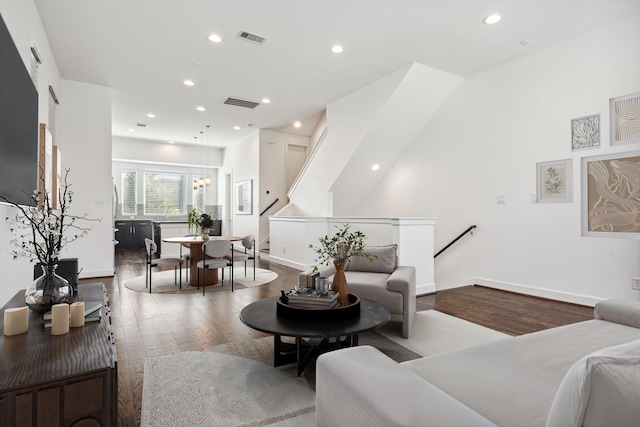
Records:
x=311, y=338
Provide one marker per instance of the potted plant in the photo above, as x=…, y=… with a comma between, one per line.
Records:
x=337, y=249
x=40, y=234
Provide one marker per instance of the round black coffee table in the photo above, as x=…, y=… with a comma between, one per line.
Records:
x=311, y=337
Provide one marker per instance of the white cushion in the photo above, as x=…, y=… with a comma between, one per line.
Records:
x=602, y=388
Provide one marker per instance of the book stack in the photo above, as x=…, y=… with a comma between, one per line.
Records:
x=92, y=313
x=311, y=299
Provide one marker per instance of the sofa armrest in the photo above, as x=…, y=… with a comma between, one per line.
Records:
x=360, y=386
x=403, y=280
x=618, y=311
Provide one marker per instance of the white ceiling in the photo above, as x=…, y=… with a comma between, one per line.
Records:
x=144, y=49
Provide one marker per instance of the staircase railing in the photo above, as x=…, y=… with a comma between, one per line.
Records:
x=269, y=207
x=468, y=230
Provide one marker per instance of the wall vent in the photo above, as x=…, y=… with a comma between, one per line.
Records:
x=141, y=125
x=253, y=38
x=241, y=103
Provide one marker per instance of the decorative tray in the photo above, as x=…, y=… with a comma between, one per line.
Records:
x=320, y=314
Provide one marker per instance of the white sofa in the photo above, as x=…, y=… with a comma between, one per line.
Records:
x=587, y=373
x=381, y=280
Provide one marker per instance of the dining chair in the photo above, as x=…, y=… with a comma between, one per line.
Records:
x=152, y=249
x=186, y=258
x=214, y=252
x=249, y=244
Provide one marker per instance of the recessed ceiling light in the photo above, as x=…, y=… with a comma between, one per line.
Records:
x=132, y=130
x=170, y=142
x=375, y=167
x=151, y=115
x=188, y=83
x=297, y=124
x=266, y=100
x=215, y=38
x=337, y=49
x=201, y=108
x=236, y=127
x=492, y=19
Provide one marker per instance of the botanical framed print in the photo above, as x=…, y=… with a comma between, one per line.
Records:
x=585, y=132
x=554, y=181
x=611, y=195
x=625, y=119
x=244, y=197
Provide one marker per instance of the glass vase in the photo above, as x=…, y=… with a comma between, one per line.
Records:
x=47, y=290
x=205, y=234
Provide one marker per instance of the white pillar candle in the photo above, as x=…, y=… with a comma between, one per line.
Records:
x=76, y=316
x=16, y=320
x=59, y=319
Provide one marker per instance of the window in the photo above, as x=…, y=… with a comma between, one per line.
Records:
x=129, y=192
x=165, y=193
x=199, y=195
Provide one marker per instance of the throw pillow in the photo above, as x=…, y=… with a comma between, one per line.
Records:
x=384, y=263
x=602, y=388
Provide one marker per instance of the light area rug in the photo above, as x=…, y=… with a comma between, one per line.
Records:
x=164, y=281
x=434, y=332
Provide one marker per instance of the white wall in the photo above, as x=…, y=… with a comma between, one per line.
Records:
x=85, y=141
x=23, y=21
x=486, y=140
x=136, y=149
x=242, y=161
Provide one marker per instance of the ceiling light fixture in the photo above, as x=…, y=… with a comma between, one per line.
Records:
x=236, y=127
x=132, y=130
x=297, y=124
x=492, y=19
x=337, y=48
x=201, y=108
x=375, y=167
x=266, y=101
x=215, y=38
x=170, y=142
x=188, y=83
x=151, y=115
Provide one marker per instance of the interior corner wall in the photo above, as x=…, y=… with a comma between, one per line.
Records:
x=273, y=176
x=242, y=161
x=85, y=143
x=23, y=22
x=486, y=141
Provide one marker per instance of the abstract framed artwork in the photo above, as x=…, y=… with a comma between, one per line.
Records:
x=244, y=197
x=585, y=132
x=625, y=119
x=554, y=181
x=611, y=195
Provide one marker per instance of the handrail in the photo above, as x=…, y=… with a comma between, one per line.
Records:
x=455, y=240
x=269, y=207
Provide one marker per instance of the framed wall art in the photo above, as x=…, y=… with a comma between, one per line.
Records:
x=585, y=132
x=625, y=119
x=611, y=195
x=554, y=181
x=244, y=197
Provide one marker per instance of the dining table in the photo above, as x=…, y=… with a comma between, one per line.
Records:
x=196, y=254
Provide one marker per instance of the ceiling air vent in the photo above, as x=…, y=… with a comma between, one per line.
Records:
x=241, y=103
x=253, y=38
x=141, y=125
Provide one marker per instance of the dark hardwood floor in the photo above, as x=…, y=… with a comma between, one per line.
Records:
x=148, y=325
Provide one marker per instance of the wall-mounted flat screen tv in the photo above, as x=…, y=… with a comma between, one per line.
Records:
x=18, y=124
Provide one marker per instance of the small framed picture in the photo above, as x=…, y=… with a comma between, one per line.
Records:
x=585, y=132
x=554, y=182
x=625, y=119
x=244, y=197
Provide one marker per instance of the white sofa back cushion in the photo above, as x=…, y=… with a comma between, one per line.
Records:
x=384, y=261
x=600, y=389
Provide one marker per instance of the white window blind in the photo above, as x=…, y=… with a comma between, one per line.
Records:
x=165, y=193
x=129, y=192
x=198, y=199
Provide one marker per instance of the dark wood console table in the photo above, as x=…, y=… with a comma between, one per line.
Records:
x=60, y=380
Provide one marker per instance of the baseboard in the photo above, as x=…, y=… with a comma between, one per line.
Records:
x=425, y=288
x=539, y=292
x=88, y=274
x=287, y=263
